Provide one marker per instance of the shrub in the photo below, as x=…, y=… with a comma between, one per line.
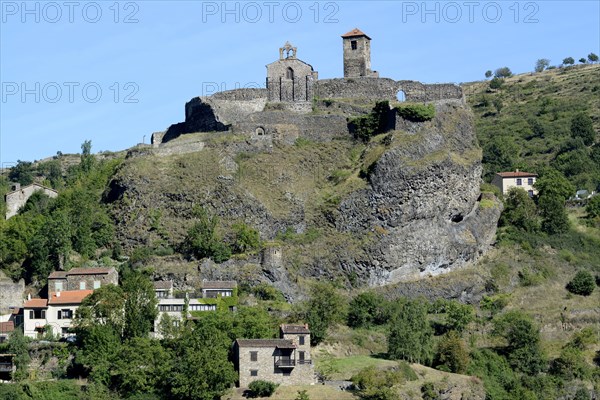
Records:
x=416, y=112
x=582, y=284
x=373, y=124
x=496, y=83
x=593, y=207
x=452, y=354
x=262, y=388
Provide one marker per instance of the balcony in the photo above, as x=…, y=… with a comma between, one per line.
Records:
x=302, y=362
x=285, y=363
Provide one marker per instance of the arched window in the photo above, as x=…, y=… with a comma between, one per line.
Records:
x=401, y=96
x=289, y=73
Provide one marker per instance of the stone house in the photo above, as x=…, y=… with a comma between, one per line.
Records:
x=524, y=180
x=82, y=279
x=163, y=289
x=285, y=361
x=18, y=196
x=57, y=312
x=357, y=55
x=290, y=79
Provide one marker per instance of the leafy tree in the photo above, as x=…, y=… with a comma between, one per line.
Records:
x=570, y=364
x=488, y=74
x=452, y=354
x=323, y=308
x=582, y=127
x=18, y=345
x=582, y=60
x=496, y=83
x=592, y=57
x=140, y=305
x=593, y=207
x=541, y=64
x=202, y=240
x=568, y=61
x=203, y=370
x=554, y=216
x=503, y=72
x=458, y=315
x=260, y=388
x=582, y=284
x=246, y=238
x=366, y=309
x=100, y=349
x=103, y=307
x=22, y=173
x=523, y=341
x=519, y=211
x=582, y=394
x=87, y=159
x=410, y=335
x=553, y=183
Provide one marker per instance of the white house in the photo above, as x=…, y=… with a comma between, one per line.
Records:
x=519, y=179
x=57, y=312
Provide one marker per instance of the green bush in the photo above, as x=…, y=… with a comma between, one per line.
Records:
x=416, y=112
x=374, y=123
x=262, y=388
x=582, y=284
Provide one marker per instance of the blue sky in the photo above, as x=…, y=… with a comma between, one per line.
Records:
x=114, y=72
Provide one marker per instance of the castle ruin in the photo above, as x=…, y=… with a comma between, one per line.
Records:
x=292, y=85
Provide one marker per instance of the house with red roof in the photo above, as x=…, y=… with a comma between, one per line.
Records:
x=524, y=180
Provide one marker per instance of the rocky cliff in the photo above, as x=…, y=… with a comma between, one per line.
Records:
x=405, y=205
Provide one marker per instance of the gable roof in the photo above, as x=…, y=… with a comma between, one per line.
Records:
x=58, y=275
x=36, y=303
x=294, y=328
x=69, y=296
x=355, y=33
x=516, y=174
x=163, y=285
x=89, y=271
x=275, y=343
x=219, y=284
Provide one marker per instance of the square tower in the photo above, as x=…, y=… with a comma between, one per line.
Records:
x=357, y=55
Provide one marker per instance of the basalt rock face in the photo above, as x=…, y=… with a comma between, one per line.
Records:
x=424, y=199
x=415, y=210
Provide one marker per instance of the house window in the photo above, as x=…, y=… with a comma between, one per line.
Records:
x=354, y=44
x=176, y=323
x=254, y=356
x=253, y=372
x=58, y=286
x=37, y=314
x=519, y=181
x=301, y=356
x=530, y=193
x=530, y=181
x=301, y=340
x=81, y=285
x=96, y=284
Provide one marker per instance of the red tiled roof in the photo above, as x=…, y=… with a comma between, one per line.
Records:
x=516, y=174
x=89, y=271
x=219, y=284
x=69, y=296
x=36, y=303
x=355, y=32
x=58, y=275
x=7, y=326
x=279, y=343
x=294, y=328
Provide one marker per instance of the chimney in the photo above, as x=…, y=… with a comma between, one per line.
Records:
x=29, y=296
x=517, y=170
x=306, y=326
x=57, y=294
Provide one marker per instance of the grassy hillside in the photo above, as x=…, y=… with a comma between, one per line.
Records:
x=526, y=122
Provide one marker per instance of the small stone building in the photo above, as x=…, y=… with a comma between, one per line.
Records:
x=285, y=361
x=18, y=196
x=214, y=289
x=357, y=55
x=290, y=79
x=82, y=279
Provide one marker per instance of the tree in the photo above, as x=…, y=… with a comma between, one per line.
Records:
x=592, y=57
x=582, y=127
x=553, y=183
x=583, y=283
x=523, y=349
x=18, y=345
x=140, y=305
x=103, y=307
x=22, y=173
x=87, y=159
x=496, y=83
x=458, y=315
x=554, y=216
x=541, y=64
x=452, y=354
x=323, y=308
x=488, y=74
x=100, y=349
x=519, y=211
x=410, y=335
x=366, y=309
x=202, y=240
x=569, y=61
x=246, y=238
x=503, y=72
x=582, y=60
x=593, y=207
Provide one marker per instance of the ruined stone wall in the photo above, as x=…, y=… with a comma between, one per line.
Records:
x=18, y=198
x=386, y=89
x=287, y=127
x=241, y=94
x=11, y=294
